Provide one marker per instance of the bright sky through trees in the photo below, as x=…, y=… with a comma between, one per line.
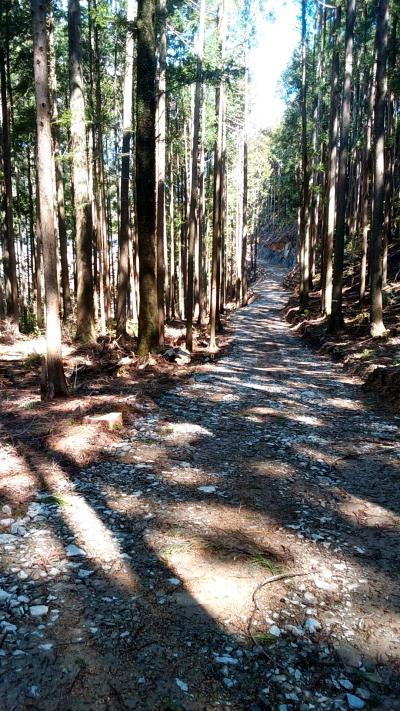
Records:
x=274, y=45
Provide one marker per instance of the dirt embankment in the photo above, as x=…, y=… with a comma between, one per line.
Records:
x=375, y=360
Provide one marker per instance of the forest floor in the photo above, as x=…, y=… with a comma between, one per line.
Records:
x=133, y=559
x=375, y=360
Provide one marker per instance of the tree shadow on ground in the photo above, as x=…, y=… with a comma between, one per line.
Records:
x=264, y=435
x=170, y=633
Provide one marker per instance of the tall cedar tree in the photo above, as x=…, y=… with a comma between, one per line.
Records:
x=304, y=233
x=59, y=184
x=217, y=196
x=194, y=186
x=8, y=245
x=146, y=176
x=331, y=171
x=381, y=39
x=160, y=148
x=85, y=329
x=336, y=322
x=124, y=229
x=55, y=379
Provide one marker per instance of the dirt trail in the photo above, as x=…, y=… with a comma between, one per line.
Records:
x=271, y=461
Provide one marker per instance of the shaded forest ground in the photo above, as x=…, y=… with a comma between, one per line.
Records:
x=222, y=475
x=376, y=361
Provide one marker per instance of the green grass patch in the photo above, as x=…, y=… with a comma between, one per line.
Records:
x=33, y=359
x=265, y=638
x=56, y=500
x=261, y=561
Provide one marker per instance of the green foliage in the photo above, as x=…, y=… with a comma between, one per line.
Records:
x=56, y=499
x=33, y=359
x=27, y=321
x=265, y=638
x=263, y=562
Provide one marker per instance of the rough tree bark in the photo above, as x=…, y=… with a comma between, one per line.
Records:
x=245, y=190
x=62, y=225
x=161, y=136
x=124, y=229
x=194, y=185
x=331, y=171
x=146, y=176
x=381, y=38
x=9, y=260
x=336, y=322
x=303, y=227
x=55, y=379
x=216, y=237
x=366, y=186
x=85, y=329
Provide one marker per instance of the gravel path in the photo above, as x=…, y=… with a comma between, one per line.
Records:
x=139, y=583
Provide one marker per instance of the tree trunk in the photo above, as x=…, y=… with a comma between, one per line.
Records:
x=202, y=224
x=381, y=38
x=9, y=259
x=55, y=379
x=245, y=172
x=172, y=274
x=146, y=176
x=85, y=330
x=304, y=233
x=336, y=322
x=216, y=237
x=59, y=182
x=366, y=186
x=194, y=185
x=161, y=128
x=125, y=230
x=331, y=172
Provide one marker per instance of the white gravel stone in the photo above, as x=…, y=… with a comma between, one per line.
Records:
x=181, y=684
x=324, y=585
x=38, y=610
x=312, y=625
x=309, y=598
x=354, y=702
x=73, y=551
x=174, y=581
x=8, y=626
x=275, y=631
x=226, y=659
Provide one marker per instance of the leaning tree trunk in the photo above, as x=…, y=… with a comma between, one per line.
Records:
x=194, y=185
x=85, y=330
x=146, y=176
x=124, y=230
x=55, y=379
x=377, y=326
x=336, y=322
